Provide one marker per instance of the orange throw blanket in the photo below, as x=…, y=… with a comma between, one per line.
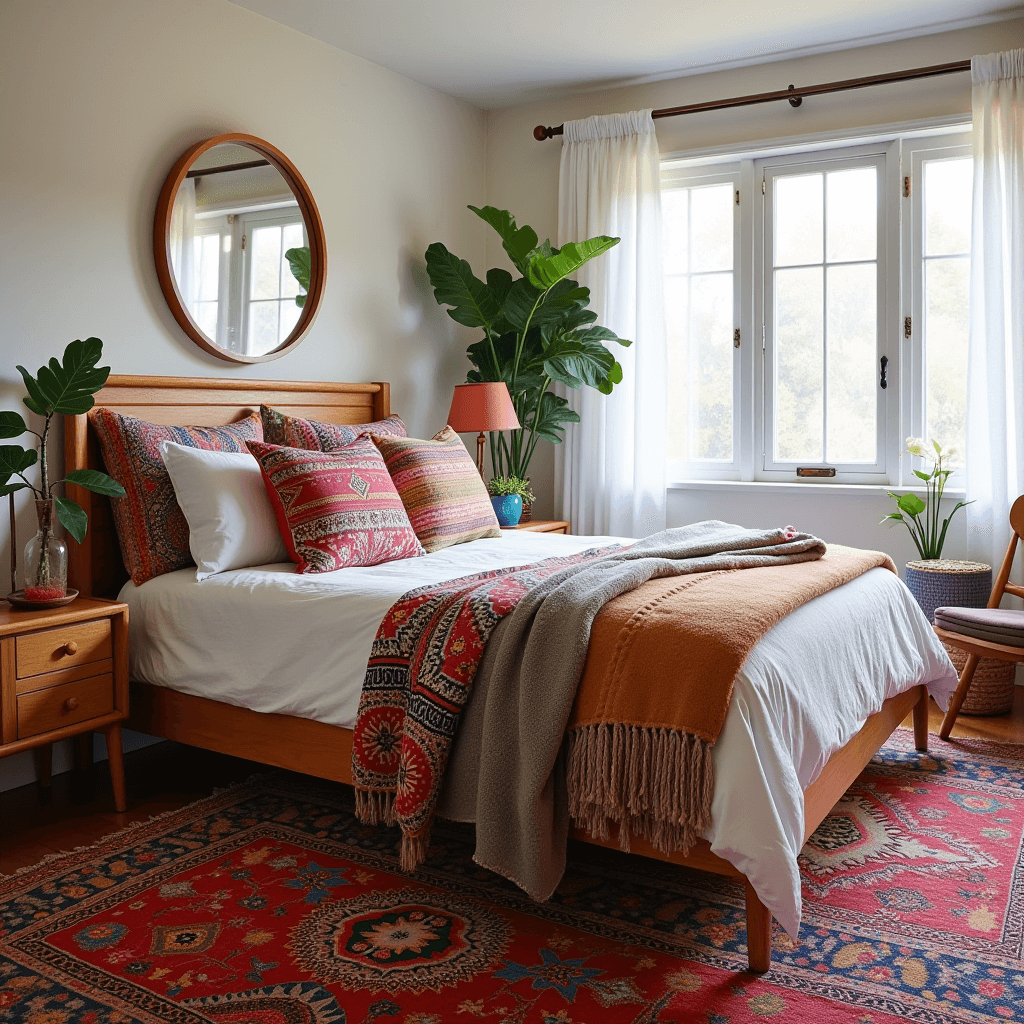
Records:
x=657, y=684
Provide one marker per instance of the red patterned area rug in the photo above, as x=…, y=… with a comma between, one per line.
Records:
x=270, y=904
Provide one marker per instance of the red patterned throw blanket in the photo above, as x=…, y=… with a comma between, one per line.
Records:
x=420, y=675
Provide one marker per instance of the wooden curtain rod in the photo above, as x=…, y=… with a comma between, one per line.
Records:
x=202, y=172
x=794, y=95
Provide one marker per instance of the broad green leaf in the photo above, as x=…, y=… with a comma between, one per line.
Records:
x=519, y=303
x=301, y=267
x=922, y=476
x=72, y=517
x=603, y=334
x=95, y=481
x=544, y=272
x=499, y=281
x=911, y=504
x=455, y=285
x=517, y=242
x=11, y=424
x=11, y=488
x=35, y=400
x=15, y=459
x=67, y=387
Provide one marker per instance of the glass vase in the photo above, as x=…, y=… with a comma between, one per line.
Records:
x=46, y=558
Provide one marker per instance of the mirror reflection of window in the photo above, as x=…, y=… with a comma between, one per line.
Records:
x=233, y=221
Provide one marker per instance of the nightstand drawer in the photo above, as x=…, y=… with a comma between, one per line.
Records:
x=51, y=650
x=60, y=706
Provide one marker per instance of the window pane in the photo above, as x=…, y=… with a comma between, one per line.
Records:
x=852, y=209
x=711, y=365
x=292, y=239
x=711, y=213
x=675, y=204
x=852, y=394
x=677, y=328
x=262, y=327
x=209, y=268
x=798, y=365
x=266, y=263
x=205, y=314
x=947, y=206
x=798, y=219
x=289, y=318
x=946, y=283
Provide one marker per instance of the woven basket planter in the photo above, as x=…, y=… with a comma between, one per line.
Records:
x=937, y=582
x=991, y=691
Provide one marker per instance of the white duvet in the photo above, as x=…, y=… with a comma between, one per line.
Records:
x=272, y=640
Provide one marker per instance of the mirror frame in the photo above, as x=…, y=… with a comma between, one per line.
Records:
x=314, y=229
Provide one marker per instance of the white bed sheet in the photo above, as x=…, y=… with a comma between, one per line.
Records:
x=273, y=640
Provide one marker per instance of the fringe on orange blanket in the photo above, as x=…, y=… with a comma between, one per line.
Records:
x=655, y=783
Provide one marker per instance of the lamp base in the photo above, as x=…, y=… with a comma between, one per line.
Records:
x=480, y=453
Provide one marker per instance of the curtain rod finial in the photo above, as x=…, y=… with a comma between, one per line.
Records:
x=540, y=133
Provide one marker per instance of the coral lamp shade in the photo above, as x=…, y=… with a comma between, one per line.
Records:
x=480, y=407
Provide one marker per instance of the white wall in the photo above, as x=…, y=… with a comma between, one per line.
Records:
x=522, y=176
x=99, y=99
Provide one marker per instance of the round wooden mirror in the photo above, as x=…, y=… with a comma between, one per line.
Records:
x=240, y=249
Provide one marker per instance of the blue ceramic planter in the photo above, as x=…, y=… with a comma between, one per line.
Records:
x=508, y=508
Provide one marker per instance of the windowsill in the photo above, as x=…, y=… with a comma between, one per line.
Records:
x=817, y=489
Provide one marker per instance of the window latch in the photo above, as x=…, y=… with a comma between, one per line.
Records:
x=882, y=364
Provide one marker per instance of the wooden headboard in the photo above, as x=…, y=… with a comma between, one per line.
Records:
x=95, y=566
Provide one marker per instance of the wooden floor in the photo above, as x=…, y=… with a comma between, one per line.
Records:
x=79, y=810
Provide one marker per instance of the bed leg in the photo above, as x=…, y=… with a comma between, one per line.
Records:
x=759, y=932
x=921, y=721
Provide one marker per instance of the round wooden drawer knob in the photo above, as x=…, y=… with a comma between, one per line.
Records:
x=70, y=647
x=70, y=704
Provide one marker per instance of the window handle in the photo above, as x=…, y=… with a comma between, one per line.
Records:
x=882, y=364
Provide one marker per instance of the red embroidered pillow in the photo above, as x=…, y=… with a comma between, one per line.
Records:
x=150, y=524
x=294, y=432
x=336, y=509
x=440, y=487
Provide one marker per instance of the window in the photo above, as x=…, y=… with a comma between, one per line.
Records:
x=797, y=288
x=271, y=310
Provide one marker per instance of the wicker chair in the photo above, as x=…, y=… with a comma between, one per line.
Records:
x=975, y=646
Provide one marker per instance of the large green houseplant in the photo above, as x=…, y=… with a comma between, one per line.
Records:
x=536, y=330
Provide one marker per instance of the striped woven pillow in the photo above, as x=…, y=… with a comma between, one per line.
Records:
x=440, y=487
x=314, y=436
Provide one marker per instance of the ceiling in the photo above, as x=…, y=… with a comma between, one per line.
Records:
x=497, y=53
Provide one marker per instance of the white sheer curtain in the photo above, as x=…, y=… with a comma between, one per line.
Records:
x=610, y=471
x=995, y=366
x=181, y=240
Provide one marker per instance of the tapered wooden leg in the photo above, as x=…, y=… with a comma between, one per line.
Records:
x=958, y=697
x=921, y=721
x=759, y=932
x=116, y=761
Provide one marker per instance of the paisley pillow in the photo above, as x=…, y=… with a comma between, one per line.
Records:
x=295, y=432
x=150, y=523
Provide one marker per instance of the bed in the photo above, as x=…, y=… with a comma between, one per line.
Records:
x=174, y=699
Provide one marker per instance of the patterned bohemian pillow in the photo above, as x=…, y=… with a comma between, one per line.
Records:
x=440, y=487
x=150, y=524
x=294, y=432
x=336, y=509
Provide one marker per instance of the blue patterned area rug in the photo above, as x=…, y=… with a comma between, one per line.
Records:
x=270, y=904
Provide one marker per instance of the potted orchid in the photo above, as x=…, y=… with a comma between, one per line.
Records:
x=933, y=580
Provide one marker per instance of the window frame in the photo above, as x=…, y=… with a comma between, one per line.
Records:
x=904, y=396
x=690, y=177
x=767, y=170
x=915, y=153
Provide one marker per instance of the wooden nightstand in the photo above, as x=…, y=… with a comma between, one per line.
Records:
x=64, y=672
x=542, y=526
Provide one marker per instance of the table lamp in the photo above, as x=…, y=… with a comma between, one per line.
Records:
x=482, y=407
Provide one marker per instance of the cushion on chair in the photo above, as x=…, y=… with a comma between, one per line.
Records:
x=997, y=625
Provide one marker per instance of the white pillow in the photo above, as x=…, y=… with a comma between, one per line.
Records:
x=231, y=523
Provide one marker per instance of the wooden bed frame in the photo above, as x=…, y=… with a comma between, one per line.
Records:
x=325, y=751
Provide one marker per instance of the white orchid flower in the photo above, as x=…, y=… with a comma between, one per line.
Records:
x=919, y=447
